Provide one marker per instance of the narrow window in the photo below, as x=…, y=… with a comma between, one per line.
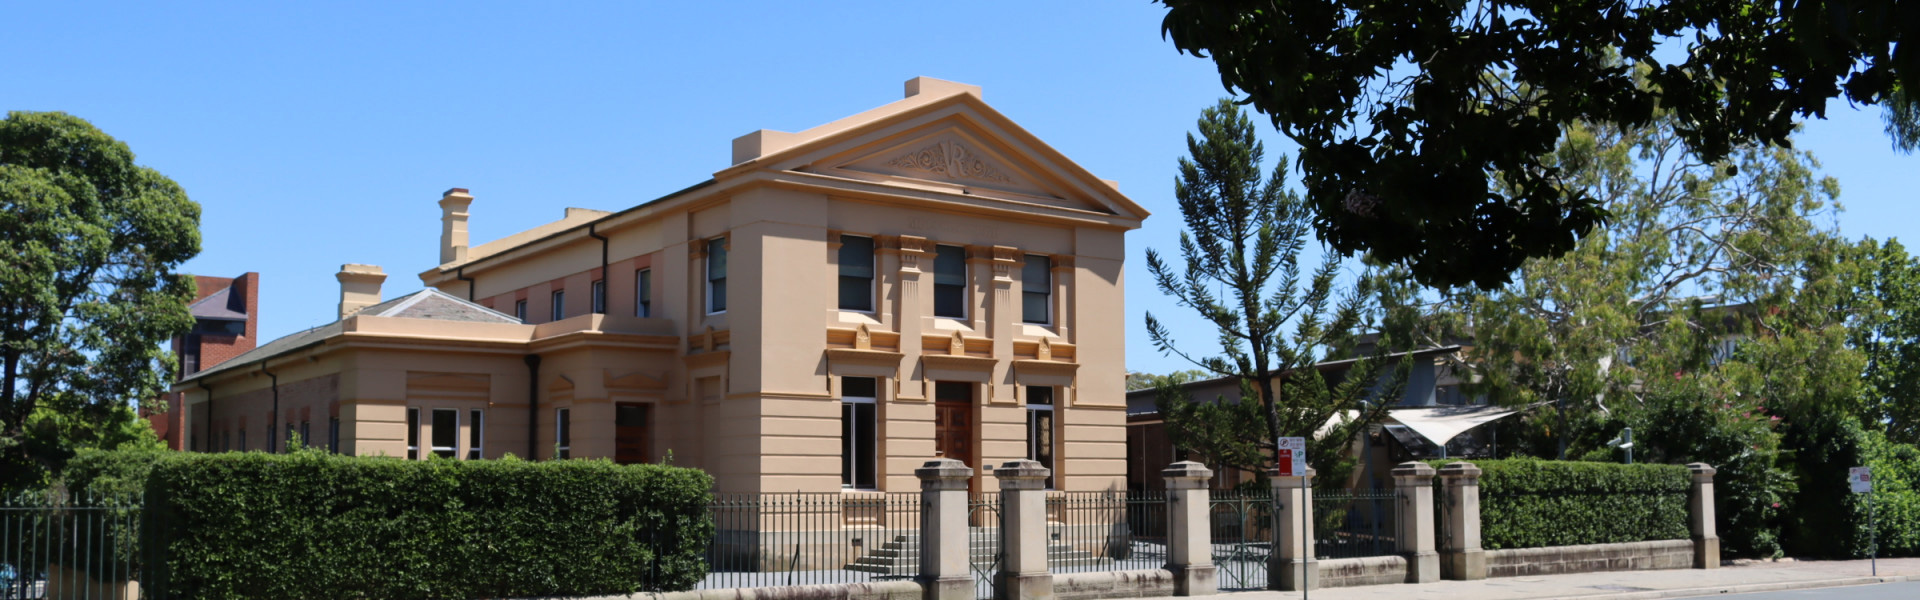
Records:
x=857, y=433
x=559, y=304
x=269, y=447
x=476, y=423
x=333, y=435
x=563, y=433
x=288, y=446
x=1036, y=290
x=413, y=434
x=716, y=275
x=446, y=432
x=950, y=282
x=856, y=273
x=520, y=310
x=643, y=293
x=600, y=296
x=303, y=435
x=1040, y=442
x=243, y=440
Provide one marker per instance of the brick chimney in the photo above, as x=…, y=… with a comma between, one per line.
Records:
x=453, y=225
x=359, y=287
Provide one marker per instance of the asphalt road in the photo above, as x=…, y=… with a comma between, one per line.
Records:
x=1886, y=591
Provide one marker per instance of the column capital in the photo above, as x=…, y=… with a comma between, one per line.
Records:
x=1413, y=473
x=1702, y=472
x=1460, y=473
x=1022, y=475
x=943, y=474
x=1187, y=475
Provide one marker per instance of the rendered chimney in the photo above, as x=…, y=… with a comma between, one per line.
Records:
x=939, y=87
x=453, y=225
x=359, y=287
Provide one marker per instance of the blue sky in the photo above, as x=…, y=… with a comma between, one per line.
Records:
x=319, y=135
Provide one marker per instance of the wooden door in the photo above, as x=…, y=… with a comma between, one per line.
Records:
x=631, y=433
x=953, y=431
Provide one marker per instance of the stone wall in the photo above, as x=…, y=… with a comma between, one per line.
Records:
x=1372, y=570
x=1149, y=583
x=878, y=590
x=1632, y=556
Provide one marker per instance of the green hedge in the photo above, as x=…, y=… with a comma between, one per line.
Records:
x=313, y=525
x=1531, y=503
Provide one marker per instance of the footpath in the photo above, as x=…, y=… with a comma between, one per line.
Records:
x=1630, y=585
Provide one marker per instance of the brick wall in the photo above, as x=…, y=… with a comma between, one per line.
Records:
x=213, y=349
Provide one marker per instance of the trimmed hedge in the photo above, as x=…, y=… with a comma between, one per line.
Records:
x=313, y=525
x=1531, y=503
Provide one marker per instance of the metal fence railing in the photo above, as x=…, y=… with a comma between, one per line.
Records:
x=1241, y=525
x=984, y=559
x=67, y=546
x=765, y=540
x=1354, y=523
x=1106, y=531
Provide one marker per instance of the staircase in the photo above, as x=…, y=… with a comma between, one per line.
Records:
x=900, y=557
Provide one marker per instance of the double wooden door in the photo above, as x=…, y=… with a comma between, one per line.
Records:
x=631, y=433
x=953, y=432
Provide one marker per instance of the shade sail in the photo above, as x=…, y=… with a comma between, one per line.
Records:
x=1442, y=423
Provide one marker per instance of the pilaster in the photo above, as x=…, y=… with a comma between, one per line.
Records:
x=1189, y=537
x=1700, y=517
x=1413, y=484
x=1461, y=556
x=1023, y=534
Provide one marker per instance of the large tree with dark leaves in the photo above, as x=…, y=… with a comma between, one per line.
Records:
x=1405, y=110
x=88, y=246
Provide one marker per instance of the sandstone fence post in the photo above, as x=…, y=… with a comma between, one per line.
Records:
x=1023, y=534
x=1189, y=537
x=944, y=560
x=1706, y=540
x=1413, y=487
x=1291, y=567
x=1461, y=557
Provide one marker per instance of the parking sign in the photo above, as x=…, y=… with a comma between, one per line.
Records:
x=1292, y=457
x=1860, y=479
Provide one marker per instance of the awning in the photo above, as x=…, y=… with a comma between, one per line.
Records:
x=1442, y=423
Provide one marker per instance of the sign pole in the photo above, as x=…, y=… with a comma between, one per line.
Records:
x=1306, y=541
x=1873, y=535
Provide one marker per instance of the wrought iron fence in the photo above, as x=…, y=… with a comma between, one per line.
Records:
x=68, y=546
x=1241, y=525
x=1106, y=531
x=1354, y=523
x=765, y=540
x=984, y=559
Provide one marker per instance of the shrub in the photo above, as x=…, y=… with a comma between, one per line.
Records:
x=1530, y=503
x=1828, y=520
x=1686, y=426
x=316, y=525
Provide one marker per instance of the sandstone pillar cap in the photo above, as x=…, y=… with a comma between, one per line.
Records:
x=1414, y=472
x=1022, y=469
x=1702, y=472
x=1186, y=469
x=943, y=473
x=1457, y=470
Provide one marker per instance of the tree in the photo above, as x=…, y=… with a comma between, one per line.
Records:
x=1148, y=381
x=1884, y=286
x=1697, y=248
x=1245, y=236
x=1406, y=111
x=89, y=242
x=1902, y=116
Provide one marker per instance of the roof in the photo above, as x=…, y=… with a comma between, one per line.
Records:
x=218, y=306
x=425, y=304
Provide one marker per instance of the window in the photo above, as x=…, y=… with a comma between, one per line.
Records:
x=413, y=434
x=288, y=446
x=475, y=424
x=1040, y=443
x=269, y=447
x=520, y=310
x=716, y=275
x=856, y=273
x=243, y=440
x=303, y=435
x=643, y=293
x=857, y=433
x=446, y=432
x=950, y=282
x=1036, y=290
x=563, y=433
x=559, y=304
x=333, y=435
x=600, y=296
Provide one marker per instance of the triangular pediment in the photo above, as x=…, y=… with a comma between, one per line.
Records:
x=952, y=156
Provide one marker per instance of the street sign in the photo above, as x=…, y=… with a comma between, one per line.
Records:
x=1860, y=479
x=1292, y=457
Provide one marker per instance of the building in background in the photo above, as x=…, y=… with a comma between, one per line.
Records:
x=226, y=324
x=835, y=307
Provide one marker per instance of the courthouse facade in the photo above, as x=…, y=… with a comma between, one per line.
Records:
x=835, y=307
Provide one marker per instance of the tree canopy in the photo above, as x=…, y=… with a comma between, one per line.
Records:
x=1407, y=111
x=89, y=243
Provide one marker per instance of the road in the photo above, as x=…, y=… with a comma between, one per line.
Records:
x=1886, y=591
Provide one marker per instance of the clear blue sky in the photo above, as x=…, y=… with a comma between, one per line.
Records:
x=319, y=135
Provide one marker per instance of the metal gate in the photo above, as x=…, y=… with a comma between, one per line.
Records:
x=1241, y=524
x=984, y=524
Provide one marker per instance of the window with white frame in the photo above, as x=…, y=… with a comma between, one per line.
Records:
x=413, y=434
x=856, y=273
x=520, y=310
x=599, y=296
x=643, y=293
x=858, y=433
x=446, y=432
x=717, y=275
x=559, y=304
x=563, y=433
x=476, y=421
x=1040, y=428
x=950, y=282
x=1036, y=290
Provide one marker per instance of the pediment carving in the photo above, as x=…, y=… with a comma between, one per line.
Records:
x=952, y=160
